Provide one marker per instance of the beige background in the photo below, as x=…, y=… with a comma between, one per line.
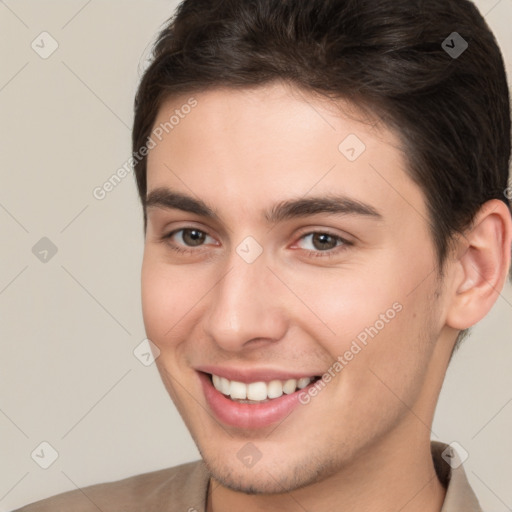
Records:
x=68, y=375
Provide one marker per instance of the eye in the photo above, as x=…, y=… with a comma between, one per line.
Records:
x=188, y=237
x=321, y=242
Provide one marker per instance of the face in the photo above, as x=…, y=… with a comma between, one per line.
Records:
x=285, y=242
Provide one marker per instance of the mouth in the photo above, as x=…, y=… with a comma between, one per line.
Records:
x=257, y=403
x=259, y=392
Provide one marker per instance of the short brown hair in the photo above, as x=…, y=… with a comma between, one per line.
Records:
x=391, y=57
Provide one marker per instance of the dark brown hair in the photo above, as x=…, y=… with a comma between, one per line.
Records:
x=398, y=59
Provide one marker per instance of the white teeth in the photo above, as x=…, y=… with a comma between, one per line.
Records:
x=238, y=390
x=290, y=386
x=274, y=389
x=258, y=391
x=224, y=386
x=302, y=383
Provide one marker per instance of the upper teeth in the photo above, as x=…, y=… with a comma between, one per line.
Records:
x=258, y=390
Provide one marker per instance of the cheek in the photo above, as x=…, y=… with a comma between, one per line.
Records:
x=396, y=351
x=371, y=317
x=156, y=301
x=170, y=297
x=344, y=304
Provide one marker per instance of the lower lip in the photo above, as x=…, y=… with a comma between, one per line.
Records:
x=247, y=416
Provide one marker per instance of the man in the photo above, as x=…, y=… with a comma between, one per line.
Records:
x=324, y=187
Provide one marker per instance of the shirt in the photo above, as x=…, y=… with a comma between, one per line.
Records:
x=184, y=489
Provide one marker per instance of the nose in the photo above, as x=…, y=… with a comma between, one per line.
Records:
x=245, y=307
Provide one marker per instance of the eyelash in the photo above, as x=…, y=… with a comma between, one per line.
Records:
x=344, y=244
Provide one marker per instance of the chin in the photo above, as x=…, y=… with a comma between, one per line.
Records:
x=269, y=478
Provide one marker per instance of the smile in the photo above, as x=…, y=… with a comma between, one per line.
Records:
x=258, y=392
x=252, y=400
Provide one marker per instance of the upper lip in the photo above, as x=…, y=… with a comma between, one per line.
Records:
x=248, y=375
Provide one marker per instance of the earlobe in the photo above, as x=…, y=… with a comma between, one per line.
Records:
x=482, y=266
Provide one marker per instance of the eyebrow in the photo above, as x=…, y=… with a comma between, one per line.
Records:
x=285, y=210
x=168, y=199
x=333, y=204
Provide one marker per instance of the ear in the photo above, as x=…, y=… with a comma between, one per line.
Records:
x=481, y=266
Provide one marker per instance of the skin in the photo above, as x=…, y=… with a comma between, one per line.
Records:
x=364, y=440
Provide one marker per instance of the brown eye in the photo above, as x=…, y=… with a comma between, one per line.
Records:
x=193, y=237
x=324, y=241
x=189, y=241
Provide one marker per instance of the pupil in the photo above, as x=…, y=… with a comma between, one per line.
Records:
x=323, y=241
x=193, y=237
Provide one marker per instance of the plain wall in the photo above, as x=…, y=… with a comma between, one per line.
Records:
x=68, y=375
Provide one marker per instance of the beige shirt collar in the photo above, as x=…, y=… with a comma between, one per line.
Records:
x=459, y=495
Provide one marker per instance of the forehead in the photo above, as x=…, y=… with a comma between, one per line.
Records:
x=246, y=148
